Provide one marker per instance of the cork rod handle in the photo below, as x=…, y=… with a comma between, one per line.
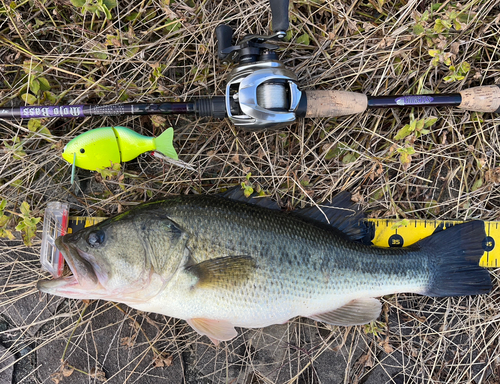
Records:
x=321, y=103
x=481, y=99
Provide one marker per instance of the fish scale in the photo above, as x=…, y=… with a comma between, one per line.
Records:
x=220, y=263
x=298, y=252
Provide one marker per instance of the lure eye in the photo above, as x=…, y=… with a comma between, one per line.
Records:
x=96, y=238
x=82, y=150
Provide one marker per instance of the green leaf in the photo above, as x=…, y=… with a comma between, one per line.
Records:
x=247, y=189
x=44, y=83
x=106, y=11
x=441, y=25
x=404, y=132
x=38, y=23
x=110, y=4
x=29, y=234
x=50, y=97
x=405, y=154
x=172, y=25
x=100, y=51
x=337, y=151
x=430, y=121
x=436, y=6
x=34, y=125
x=28, y=98
x=148, y=16
x=5, y=232
x=131, y=51
x=45, y=131
x=418, y=29
x=477, y=184
x=303, y=39
x=378, y=194
x=132, y=16
x=111, y=171
x=419, y=124
x=432, y=206
x=434, y=52
x=464, y=68
x=400, y=223
x=19, y=182
x=78, y=3
x=25, y=209
x=350, y=158
x=32, y=68
x=330, y=154
x=34, y=85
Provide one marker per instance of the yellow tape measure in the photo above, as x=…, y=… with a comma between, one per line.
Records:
x=386, y=233
x=390, y=233
x=75, y=223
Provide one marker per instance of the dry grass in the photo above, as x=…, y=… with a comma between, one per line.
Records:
x=454, y=173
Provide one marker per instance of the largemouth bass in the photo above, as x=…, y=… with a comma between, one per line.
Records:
x=221, y=262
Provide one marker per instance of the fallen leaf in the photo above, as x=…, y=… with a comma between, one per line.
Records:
x=162, y=360
x=236, y=159
x=67, y=370
x=128, y=342
x=97, y=374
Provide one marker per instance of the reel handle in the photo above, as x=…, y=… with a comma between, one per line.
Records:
x=224, y=35
x=279, y=11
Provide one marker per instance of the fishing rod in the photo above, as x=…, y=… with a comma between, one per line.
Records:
x=262, y=94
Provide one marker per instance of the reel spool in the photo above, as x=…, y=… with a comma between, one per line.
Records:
x=262, y=95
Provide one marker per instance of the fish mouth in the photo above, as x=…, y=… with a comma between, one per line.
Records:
x=83, y=283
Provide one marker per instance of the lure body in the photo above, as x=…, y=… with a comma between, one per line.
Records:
x=102, y=147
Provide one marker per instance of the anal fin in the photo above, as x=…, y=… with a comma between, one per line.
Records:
x=216, y=330
x=356, y=312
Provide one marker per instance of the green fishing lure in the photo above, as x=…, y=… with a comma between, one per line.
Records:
x=101, y=147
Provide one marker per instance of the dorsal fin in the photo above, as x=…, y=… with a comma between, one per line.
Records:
x=341, y=213
x=238, y=194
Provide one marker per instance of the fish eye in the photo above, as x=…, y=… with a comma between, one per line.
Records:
x=96, y=238
x=82, y=150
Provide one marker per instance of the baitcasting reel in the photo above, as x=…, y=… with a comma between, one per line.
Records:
x=260, y=92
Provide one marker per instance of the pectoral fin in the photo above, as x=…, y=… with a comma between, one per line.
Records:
x=356, y=312
x=223, y=272
x=216, y=330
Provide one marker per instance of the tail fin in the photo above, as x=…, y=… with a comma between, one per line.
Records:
x=164, y=144
x=454, y=261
